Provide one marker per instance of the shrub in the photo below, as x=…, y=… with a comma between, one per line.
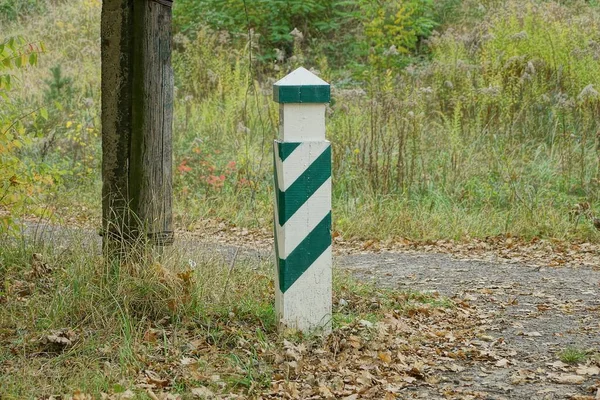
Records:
x=18, y=183
x=13, y=9
x=345, y=31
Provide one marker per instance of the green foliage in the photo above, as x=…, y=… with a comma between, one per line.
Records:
x=393, y=30
x=271, y=20
x=59, y=86
x=224, y=128
x=18, y=183
x=503, y=122
x=13, y=9
x=68, y=136
x=349, y=31
x=15, y=53
x=54, y=117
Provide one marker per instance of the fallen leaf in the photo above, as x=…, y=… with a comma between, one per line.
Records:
x=325, y=392
x=532, y=334
x=589, y=370
x=558, y=365
x=365, y=323
x=567, y=379
x=202, y=392
x=385, y=357
x=188, y=361
x=456, y=368
x=78, y=395
x=63, y=337
x=154, y=379
x=126, y=395
x=151, y=335
x=38, y=267
x=21, y=288
x=152, y=395
x=503, y=363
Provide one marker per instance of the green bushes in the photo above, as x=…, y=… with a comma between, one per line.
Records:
x=393, y=30
x=497, y=134
x=13, y=9
x=353, y=32
x=19, y=183
x=271, y=20
x=502, y=123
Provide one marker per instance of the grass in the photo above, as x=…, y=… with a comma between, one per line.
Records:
x=150, y=315
x=112, y=315
x=573, y=355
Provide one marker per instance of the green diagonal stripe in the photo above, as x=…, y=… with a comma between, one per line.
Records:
x=303, y=256
x=303, y=188
x=287, y=148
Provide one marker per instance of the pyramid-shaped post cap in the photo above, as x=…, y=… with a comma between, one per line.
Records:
x=301, y=86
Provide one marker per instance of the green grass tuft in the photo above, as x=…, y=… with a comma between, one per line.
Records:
x=573, y=355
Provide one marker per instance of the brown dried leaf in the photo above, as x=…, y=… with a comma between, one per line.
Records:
x=78, y=395
x=21, y=288
x=589, y=370
x=386, y=357
x=152, y=378
x=567, y=379
x=63, y=337
x=325, y=392
x=202, y=392
x=503, y=363
x=38, y=267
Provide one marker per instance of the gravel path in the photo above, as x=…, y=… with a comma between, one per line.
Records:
x=534, y=313
x=530, y=315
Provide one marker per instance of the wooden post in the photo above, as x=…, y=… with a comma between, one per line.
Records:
x=116, y=46
x=150, y=181
x=302, y=163
x=137, y=119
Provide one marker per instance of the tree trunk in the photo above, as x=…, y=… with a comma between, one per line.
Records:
x=137, y=116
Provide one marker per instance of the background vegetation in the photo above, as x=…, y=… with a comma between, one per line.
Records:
x=449, y=119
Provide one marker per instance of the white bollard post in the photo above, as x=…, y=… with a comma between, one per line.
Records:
x=302, y=161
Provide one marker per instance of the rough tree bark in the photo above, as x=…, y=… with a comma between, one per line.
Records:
x=137, y=117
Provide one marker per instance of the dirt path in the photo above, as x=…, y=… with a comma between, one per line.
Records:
x=529, y=316
x=533, y=313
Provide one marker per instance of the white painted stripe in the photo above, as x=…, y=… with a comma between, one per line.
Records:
x=296, y=163
x=304, y=221
x=307, y=304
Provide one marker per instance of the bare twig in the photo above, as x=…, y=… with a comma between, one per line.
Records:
x=19, y=119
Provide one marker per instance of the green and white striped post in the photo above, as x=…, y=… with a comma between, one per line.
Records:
x=302, y=160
